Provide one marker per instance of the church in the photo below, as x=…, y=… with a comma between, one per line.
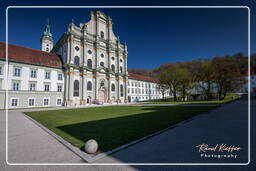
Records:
x=87, y=65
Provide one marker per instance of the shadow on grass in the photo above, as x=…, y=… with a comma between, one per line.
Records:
x=114, y=132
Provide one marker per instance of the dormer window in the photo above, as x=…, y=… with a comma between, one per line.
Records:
x=102, y=34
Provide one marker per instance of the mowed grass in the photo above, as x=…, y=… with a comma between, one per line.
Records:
x=113, y=126
x=228, y=98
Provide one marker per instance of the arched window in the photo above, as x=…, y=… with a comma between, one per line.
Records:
x=102, y=64
x=122, y=90
x=112, y=87
x=89, y=63
x=102, y=83
x=121, y=69
x=113, y=67
x=89, y=85
x=102, y=34
x=76, y=88
x=77, y=61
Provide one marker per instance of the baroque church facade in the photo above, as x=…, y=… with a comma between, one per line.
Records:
x=87, y=65
x=95, y=62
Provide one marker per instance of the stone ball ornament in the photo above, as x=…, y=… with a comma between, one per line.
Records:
x=91, y=146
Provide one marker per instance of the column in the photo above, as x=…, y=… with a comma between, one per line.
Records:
x=109, y=88
x=71, y=85
x=66, y=88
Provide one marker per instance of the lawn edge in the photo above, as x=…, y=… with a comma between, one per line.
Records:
x=91, y=158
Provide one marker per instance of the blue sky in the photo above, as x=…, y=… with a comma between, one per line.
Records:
x=153, y=36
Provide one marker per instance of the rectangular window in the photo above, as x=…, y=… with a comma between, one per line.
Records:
x=46, y=87
x=15, y=86
x=59, y=76
x=46, y=102
x=59, y=88
x=47, y=75
x=17, y=72
x=32, y=86
x=1, y=70
x=31, y=102
x=59, y=101
x=128, y=90
x=33, y=73
x=14, y=102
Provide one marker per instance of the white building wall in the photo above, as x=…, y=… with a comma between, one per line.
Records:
x=24, y=94
x=143, y=91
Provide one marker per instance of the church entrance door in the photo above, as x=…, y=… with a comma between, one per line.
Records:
x=102, y=95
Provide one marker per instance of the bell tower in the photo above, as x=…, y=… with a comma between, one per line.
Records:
x=46, y=40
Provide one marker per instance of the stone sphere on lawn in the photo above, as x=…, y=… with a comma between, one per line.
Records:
x=91, y=146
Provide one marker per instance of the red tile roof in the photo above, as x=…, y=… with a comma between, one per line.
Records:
x=142, y=78
x=30, y=56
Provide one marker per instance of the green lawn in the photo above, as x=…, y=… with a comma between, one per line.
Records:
x=228, y=98
x=113, y=126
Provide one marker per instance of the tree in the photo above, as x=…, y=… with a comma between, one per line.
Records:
x=162, y=88
x=177, y=79
x=227, y=76
x=184, y=82
x=170, y=77
x=203, y=76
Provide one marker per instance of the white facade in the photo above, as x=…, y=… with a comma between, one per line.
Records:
x=93, y=57
x=139, y=90
x=252, y=85
x=27, y=82
x=93, y=70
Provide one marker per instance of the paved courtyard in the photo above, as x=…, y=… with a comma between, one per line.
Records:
x=228, y=124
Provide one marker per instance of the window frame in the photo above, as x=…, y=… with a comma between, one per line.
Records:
x=14, y=71
x=14, y=98
x=87, y=64
x=60, y=74
x=1, y=70
x=31, y=98
x=33, y=75
x=58, y=98
x=15, y=82
x=46, y=98
x=87, y=85
x=30, y=83
x=60, y=88
x=47, y=84
x=46, y=75
x=76, y=88
x=113, y=87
